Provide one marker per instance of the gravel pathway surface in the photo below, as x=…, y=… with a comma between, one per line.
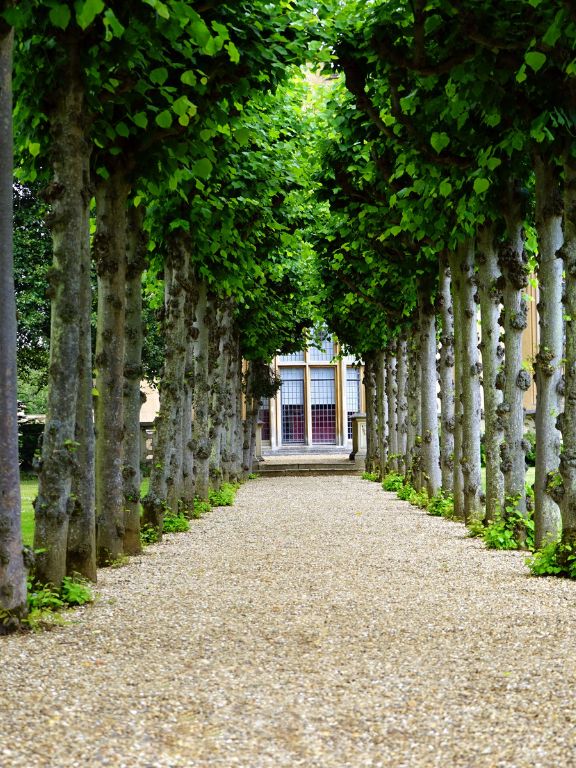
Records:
x=319, y=623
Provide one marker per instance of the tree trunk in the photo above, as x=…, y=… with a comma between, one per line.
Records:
x=568, y=418
x=81, y=545
x=515, y=379
x=466, y=337
x=168, y=425
x=492, y=353
x=414, y=411
x=219, y=388
x=448, y=423
x=548, y=363
x=136, y=263
x=252, y=405
x=65, y=194
x=431, y=474
x=201, y=423
x=391, y=391
x=110, y=257
x=380, y=374
x=371, y=414
x=188, y=478
x=12, y=570
x=402, y=403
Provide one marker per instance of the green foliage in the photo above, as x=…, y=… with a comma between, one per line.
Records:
x=45, y=602
x=554, y=559
x=393, y=482
x=441, y=505
x=223, y=496
x=148, y=535
x=416, y=498
x=530, y=438
x=373, y=477
x=175, y=524
x=508, y=530
x=200, y=508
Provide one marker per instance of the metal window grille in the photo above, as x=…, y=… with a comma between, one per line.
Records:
x=352, y=395
x=323, y=404
x=264, y=417
x=325, y=354
x=292, y=399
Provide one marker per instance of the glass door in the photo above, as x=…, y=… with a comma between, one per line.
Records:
x=292, y=402
x=323, y=405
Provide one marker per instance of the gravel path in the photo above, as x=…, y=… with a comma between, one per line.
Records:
x=319, y=623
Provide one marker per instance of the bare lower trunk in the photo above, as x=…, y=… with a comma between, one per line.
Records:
x=162, y=493
x=446, y=371
x=201, y=424
x=132, y=378
x=549, y=358
x=12, y=570
x=568, y=418
x=414, y=437
x=249, y=432
x=371, y=414
x=380, y=375
x=402, y=403
x=188, y=478
x=232, y=463
x=81, y=545
x=110, y=256
x=431, y=475
x=492, y=353
x=219, y=390
x=68, y=211
x=391, y=391
x=515, y=379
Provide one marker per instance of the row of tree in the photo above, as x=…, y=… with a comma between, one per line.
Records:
x=449, y=175
x=170, y=158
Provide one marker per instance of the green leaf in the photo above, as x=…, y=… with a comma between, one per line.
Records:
x=242, y=136
x=481, y=185
x=122, y=130
x=445, y=188
x=202, y=168
x=34, y=148
x=60, y=16
x=535, y=60
x=87, y=11
x=164, y=119
x=439, y=141
x=188, y=78
x=159, y=75
x=140, y=119
x=233, y=52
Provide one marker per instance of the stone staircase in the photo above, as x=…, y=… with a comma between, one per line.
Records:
x=291, y=464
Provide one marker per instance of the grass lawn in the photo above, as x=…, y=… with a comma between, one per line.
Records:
x=28, y=490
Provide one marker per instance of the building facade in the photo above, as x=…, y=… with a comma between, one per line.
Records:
x=317, y=397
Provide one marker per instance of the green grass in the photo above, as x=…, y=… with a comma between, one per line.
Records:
x=530, y=472
x=28, y=491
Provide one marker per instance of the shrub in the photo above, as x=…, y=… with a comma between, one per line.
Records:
x=372, y=476
x=554, y=559
x=200, y=508
x=393, y=482
x=176, y=524
x=148, y=535
x=224, y=496
x=503, y=532
x=45, y=602
x=441, y=505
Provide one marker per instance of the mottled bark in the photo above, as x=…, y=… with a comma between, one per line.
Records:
x=252, y=404
x=548, y=364
x=414, y=436
x=109, y=249
x=201, y=408
x=514, y=380
x=371, y=415
x=231, y=463
x=492, y=353
x=568, y=418
x=188, y=478
x=402, y=403
x=446, y=373
x=70, y=154
x=391, y=411
x=81, y=545
x=12, y=570
x=164, y=475
x=131, y=471
x=430, y=447
x=219, y=389
x=380, y=376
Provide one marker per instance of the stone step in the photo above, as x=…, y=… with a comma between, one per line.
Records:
x=298, y=470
